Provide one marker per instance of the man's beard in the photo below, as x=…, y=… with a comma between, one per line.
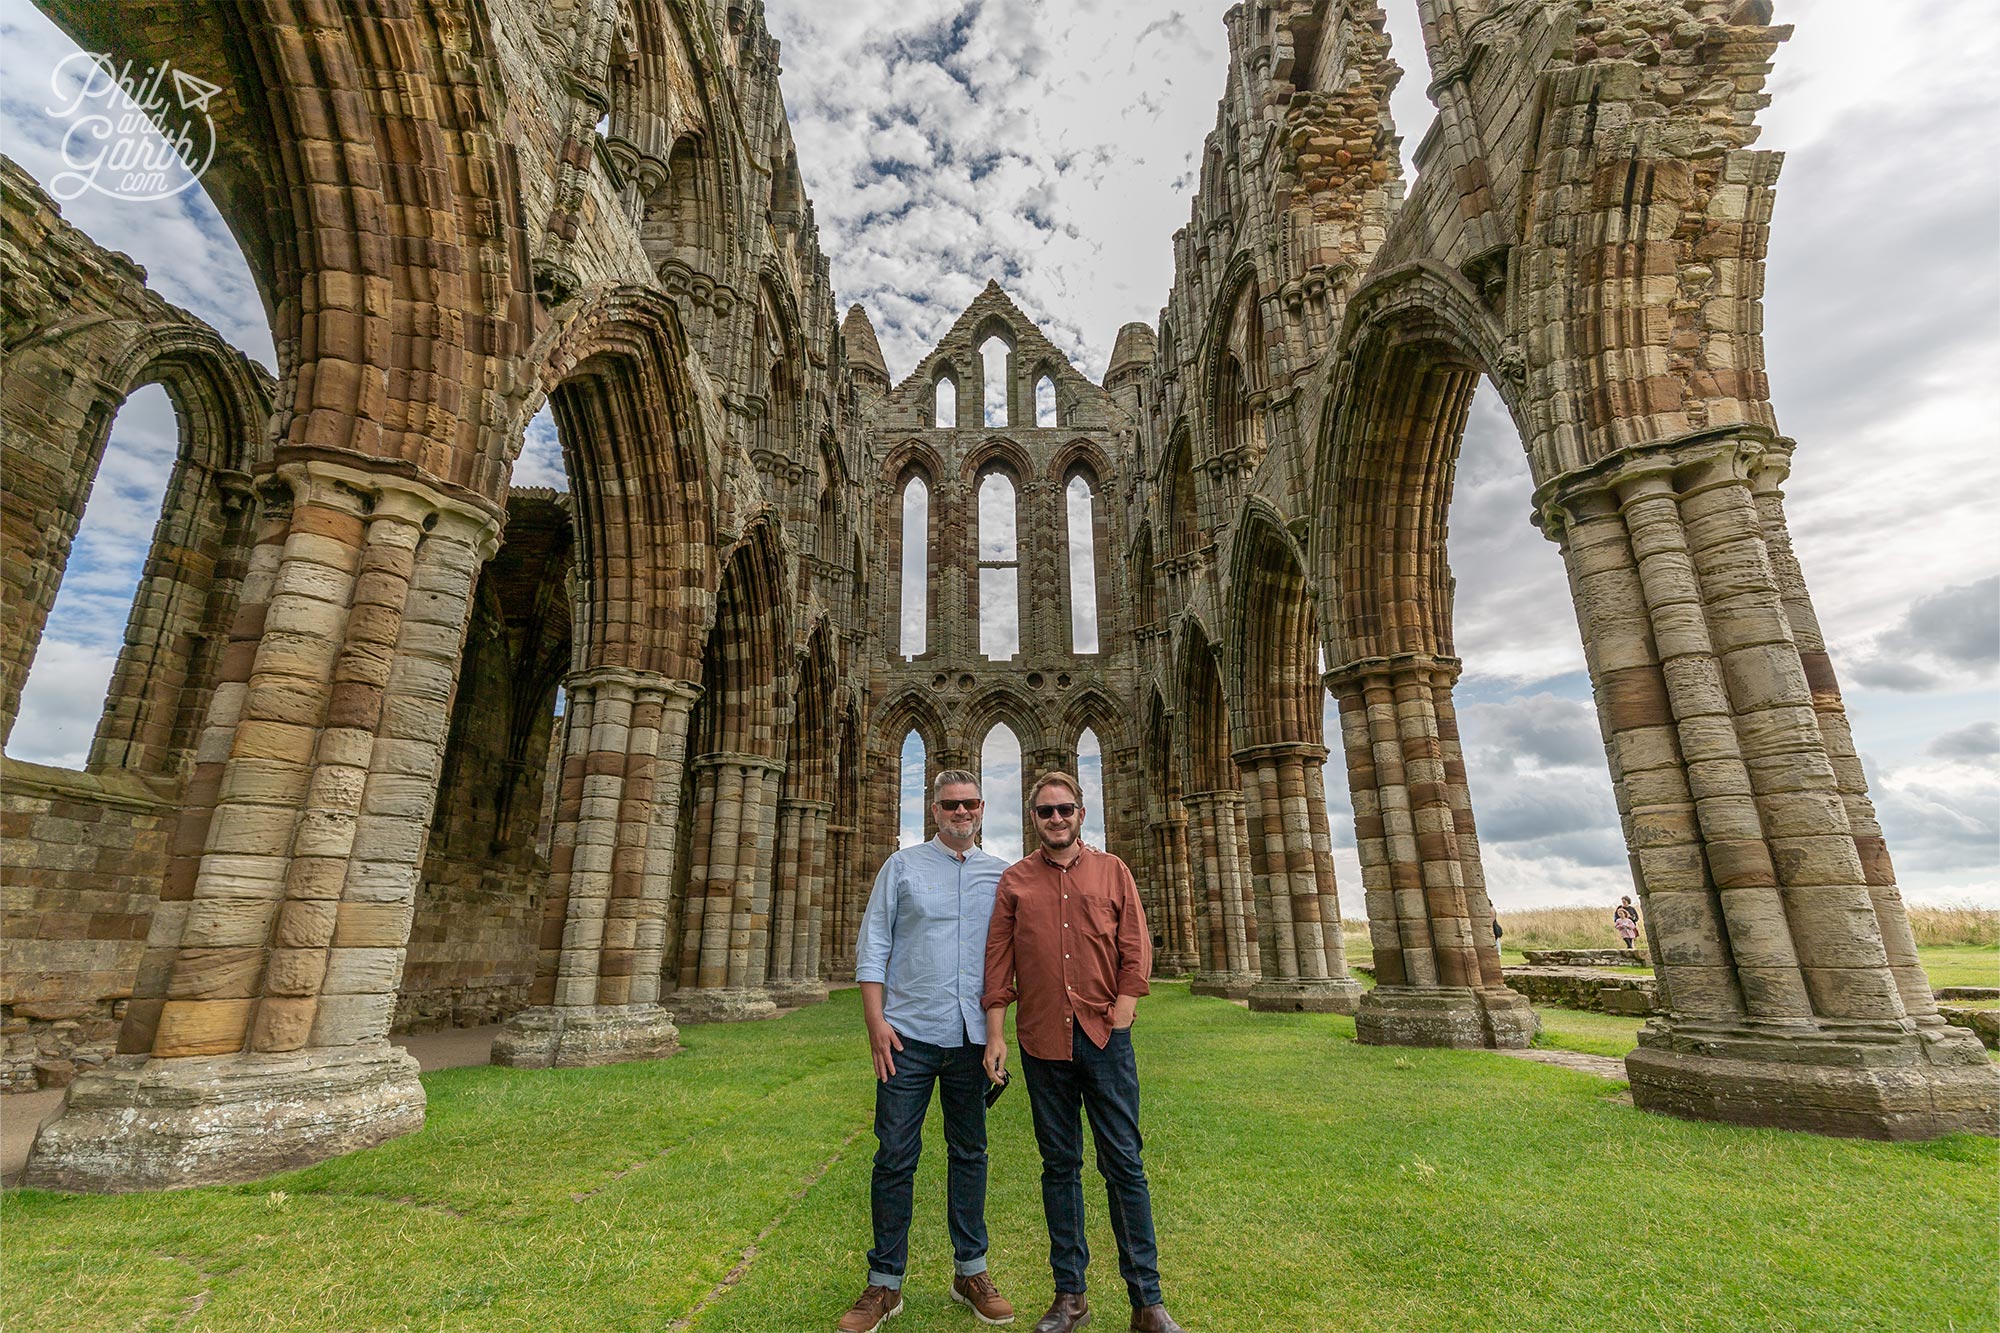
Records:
x=1062, y=839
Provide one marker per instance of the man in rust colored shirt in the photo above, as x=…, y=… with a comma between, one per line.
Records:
x=1069, y=941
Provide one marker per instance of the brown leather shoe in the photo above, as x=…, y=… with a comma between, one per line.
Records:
x=876, y=1305
x=1154, y=1319
x=1069, y=1313
x=978, y=1294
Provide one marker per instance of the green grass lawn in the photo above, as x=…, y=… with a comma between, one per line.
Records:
x=1302, y=1183
x=1961, y=964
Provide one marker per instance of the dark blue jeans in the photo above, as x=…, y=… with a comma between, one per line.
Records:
x=900, y=1106
x=1106, y=1084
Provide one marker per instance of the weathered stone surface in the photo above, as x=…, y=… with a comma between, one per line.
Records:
x=1443, y=1016
x=574, y=1036
x=1586, y=957
x=171, y=1124
x=1587, y=989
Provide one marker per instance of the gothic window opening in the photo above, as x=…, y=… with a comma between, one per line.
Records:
x=1082, y=566
x=1090, y=772
x=1045, y=403
x=914, y=619
x=65, y=695
x=944, y=413
x=911, y=795
x=999, y=570
x=994, y=355
x=540, y=462
x=1184, y=530
x=1000, y=784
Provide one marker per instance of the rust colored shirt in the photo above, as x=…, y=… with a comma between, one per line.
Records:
x=1066, y=942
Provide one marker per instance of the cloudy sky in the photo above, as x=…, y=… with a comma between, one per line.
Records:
x=1053, y=148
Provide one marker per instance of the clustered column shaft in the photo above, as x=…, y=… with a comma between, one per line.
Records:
x=726, y=922
x=1303, y=960
x=1225, y=940
x=612, y=856
x=799, y=903
x=1437, y=966
x=1778, y=936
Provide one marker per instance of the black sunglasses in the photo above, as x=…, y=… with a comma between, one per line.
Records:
x=972, y=804
x=1062, y=810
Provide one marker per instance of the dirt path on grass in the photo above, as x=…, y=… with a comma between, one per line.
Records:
x=1604, y=1066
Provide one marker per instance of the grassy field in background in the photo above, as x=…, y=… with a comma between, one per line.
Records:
x=1303, y=1183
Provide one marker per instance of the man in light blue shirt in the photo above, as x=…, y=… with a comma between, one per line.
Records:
x=921, y=961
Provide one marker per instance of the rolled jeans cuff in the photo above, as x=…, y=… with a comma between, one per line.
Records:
x=893, y=1281
x=970, y=1267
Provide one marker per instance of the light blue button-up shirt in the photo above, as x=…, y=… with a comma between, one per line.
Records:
x=923, y=936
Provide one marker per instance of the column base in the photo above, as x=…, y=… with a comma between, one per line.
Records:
x=723, y=1004
x=1855, y=1079
x=580, y=1036
x=145, y=1124
x=1222, y=985
x=800, y=995
x=1327, y=995
x=1455, y=1016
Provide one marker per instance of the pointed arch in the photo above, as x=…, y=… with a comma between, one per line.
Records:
x=641, y=468
x=1273, y=642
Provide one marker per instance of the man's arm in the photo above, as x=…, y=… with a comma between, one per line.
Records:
x=1135, y=951
x=871, y=969
x=999, y=988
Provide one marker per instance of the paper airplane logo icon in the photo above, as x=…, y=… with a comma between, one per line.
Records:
x=194, y=93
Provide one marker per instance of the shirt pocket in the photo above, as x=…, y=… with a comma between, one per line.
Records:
x=1100, y=913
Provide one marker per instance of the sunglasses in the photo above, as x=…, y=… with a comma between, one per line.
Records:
x=952, y=807
x=1062, y=810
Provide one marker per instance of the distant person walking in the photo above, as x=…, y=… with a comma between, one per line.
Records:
x=920, y=961
x=1625, y=920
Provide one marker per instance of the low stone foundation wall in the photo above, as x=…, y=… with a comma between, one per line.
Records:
x=1982, y=1023
x=1586, y=958
x=1968, y=993
x=1592, y=991
x=82, y=856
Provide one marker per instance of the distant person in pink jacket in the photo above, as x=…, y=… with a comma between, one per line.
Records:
x=1625, y=920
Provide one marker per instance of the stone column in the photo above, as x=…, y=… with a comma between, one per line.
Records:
x=1785, y=997
x=1302, y=958
x=1225, y=967
x=836, y=934
x=1176, y=956
x=726, y=920
x=1898, y=940
x=798, y=902
x=264, y=1044
x=596, y=997
x=1180, y=891
x=1437, y=967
